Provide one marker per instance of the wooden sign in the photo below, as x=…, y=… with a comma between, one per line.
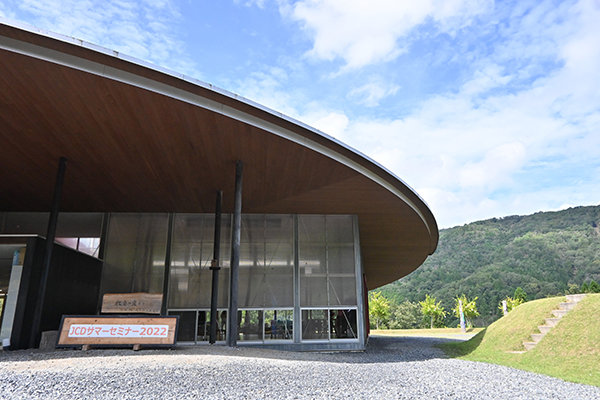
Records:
x=108, y=330
x=131, y=303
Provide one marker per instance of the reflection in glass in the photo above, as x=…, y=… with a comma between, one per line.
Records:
x=343, y=324
x=89, y=245
x=70, y=242
x=279, y=324
x=204, y=325
x=187, y=321
x=250, y=325
x=315, y=324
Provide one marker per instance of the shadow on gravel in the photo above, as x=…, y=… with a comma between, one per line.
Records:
x=381, y=349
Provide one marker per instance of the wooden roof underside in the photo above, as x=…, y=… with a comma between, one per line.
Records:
x=133, y=149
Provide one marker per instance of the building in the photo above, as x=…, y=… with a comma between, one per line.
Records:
x=133, y=158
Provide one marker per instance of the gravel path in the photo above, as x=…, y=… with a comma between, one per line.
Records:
x=391, y=368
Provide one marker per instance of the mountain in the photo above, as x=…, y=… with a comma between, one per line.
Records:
x=542, y=253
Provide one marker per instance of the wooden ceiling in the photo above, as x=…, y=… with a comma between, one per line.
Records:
x=137, y=149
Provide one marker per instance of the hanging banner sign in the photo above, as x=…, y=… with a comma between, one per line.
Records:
x=131, y=303
x=107, y=330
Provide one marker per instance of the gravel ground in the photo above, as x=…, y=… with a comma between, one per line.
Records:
x=391, y=368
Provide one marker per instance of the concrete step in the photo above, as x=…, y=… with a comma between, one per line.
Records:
x=529, y=345
x=568, y=306
x=575, y=297
x=564, y=308
x=544, y=329
x=536, y=337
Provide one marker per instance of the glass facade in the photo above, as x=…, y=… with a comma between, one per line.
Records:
x=326, y=260
x=134, y=259
x=190, y=277
x=296, y=271
x=327, y=267
x=194, y=325
x=266, y=274
x=279, y=325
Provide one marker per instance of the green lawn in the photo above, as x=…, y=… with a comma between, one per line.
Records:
x=570, y=351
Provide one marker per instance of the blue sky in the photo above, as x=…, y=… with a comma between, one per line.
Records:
x=485, y=108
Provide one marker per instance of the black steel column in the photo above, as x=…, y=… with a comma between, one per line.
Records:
x=215, y=267
x=167, y=272
x=101, y=249
x=50, y=235
x=236, y=231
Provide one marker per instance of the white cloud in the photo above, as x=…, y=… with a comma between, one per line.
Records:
x=495, y=169
x=370, y=94
x=480, y=152
x=250, y=3
x=141, y=29
x=332, y=123
x=362, y=32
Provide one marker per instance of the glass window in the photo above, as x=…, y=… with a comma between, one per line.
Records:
x=135, y=253
x=67, y=241
x=204, y=325
x=343, y=324
x=315, y=324
x=68, y=224
x=192, y=250
x=266, y=275
x=187, y=322
x=326, y=260
x=79, y=224
x=203, y=331
x=89, y=245
x=250, y=325
x=27, y=222
x=279, y=325
x=312, y=259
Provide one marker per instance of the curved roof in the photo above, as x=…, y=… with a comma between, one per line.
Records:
x=146, y=140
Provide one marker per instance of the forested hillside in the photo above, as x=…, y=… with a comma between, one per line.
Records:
x=541, y=253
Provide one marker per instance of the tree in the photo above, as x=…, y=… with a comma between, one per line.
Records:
x=430, y=308
x=406, y=315
x=469, y=309
x=573, y=288
x=585, y=288
x=594, y=287
x=379, y=308
x=520, y=294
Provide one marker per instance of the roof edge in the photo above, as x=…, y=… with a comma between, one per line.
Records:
x=304, y=134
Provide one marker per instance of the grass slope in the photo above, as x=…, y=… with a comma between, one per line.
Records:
x=570, y=351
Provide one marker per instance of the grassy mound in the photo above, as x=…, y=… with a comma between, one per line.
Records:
x=570, y=351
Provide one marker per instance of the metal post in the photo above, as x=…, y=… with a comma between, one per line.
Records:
x=297, y=332
x=167, y=272
x=101, y=250
x=462, y=316
x=215, y=267
x=236, y=232
x=50, y=235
